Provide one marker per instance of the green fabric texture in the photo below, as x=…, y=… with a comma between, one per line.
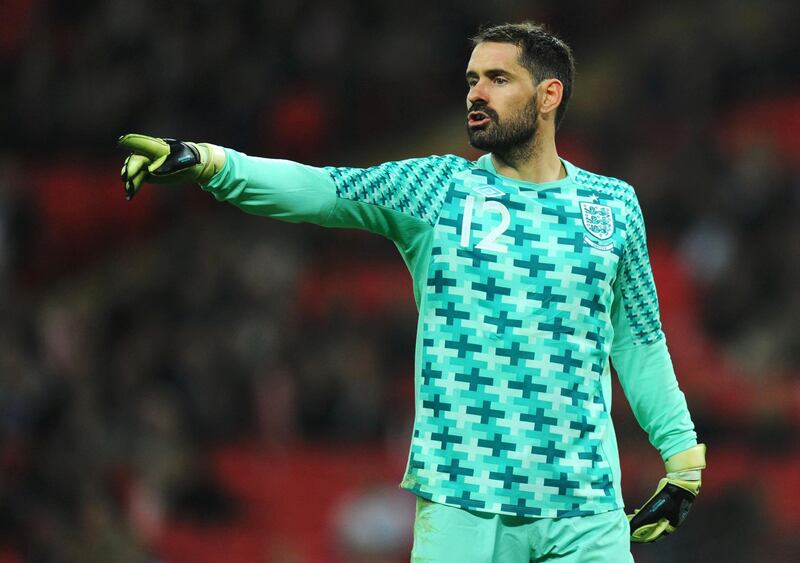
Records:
x=275, y=188
x=443, y=534
x=527, y=294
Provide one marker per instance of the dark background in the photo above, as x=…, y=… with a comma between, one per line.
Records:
x=180, y=382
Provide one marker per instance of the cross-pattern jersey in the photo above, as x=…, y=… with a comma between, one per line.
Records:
x=524, y=292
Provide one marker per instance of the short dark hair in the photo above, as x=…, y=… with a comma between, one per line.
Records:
x=541, y=52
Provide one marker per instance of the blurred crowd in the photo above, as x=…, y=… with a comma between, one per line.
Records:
x=137, y=340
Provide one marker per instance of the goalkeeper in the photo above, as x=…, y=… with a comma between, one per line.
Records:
x=531, y=276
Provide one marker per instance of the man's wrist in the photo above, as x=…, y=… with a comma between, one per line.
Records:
x=691, y=475
x=212, y=159
x=692, y=459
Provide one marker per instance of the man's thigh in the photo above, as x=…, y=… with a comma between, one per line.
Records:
x=601, y=538
x=444, y=534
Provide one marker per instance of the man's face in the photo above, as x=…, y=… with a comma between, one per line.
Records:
x=501, y=103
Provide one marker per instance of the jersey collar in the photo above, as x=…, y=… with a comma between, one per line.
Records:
x=485, y=162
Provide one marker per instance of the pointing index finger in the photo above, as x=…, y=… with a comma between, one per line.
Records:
x=151, y=147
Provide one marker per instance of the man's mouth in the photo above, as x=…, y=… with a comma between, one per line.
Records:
x=476, y=119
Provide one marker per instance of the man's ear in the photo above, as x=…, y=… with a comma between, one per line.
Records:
x=550, y=93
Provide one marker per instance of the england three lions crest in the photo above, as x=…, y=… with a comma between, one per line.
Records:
x=598, y=220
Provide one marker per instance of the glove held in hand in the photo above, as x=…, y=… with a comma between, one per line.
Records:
x=674, y=496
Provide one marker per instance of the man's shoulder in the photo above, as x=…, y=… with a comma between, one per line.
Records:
x=607, y=184
x=449, y=162
x=608, y=187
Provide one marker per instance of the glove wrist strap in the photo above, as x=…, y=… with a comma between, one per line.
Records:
x=691, y=475
x=688, y=460
x=212, y=160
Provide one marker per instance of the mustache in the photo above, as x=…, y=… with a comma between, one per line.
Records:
x=481, y=107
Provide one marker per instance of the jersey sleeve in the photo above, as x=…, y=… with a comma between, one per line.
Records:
x=639, y=350
x=275, y=188
x=389, y=199
x=415, y=187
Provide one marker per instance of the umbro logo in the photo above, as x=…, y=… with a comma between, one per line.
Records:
x=489, y=191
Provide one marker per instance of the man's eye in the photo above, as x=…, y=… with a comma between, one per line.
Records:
x=500, y=80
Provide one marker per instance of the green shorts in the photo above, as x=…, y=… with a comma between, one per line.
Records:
x=444, y=534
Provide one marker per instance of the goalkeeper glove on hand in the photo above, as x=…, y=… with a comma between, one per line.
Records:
x=167, y=161
x=668, y=507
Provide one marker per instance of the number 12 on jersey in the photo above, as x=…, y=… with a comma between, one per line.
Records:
x=488, y=207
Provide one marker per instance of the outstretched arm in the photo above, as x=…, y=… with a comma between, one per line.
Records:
x=277, y=188
x=395, y=199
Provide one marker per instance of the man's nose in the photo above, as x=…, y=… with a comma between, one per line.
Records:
x=477, y=93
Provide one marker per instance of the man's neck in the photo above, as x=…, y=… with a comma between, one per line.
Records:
x=539, y=164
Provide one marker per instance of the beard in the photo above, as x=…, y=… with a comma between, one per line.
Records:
x=508, y=137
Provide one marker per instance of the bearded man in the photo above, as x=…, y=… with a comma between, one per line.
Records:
x=531, y=277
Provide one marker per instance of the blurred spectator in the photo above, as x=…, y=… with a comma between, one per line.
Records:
x=372, y=526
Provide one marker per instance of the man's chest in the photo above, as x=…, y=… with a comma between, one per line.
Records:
x=552, y=252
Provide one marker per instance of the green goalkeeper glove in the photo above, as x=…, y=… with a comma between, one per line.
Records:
x=167, y=161
x=668, y=507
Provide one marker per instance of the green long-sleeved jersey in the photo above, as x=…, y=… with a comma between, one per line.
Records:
x=526, y=293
